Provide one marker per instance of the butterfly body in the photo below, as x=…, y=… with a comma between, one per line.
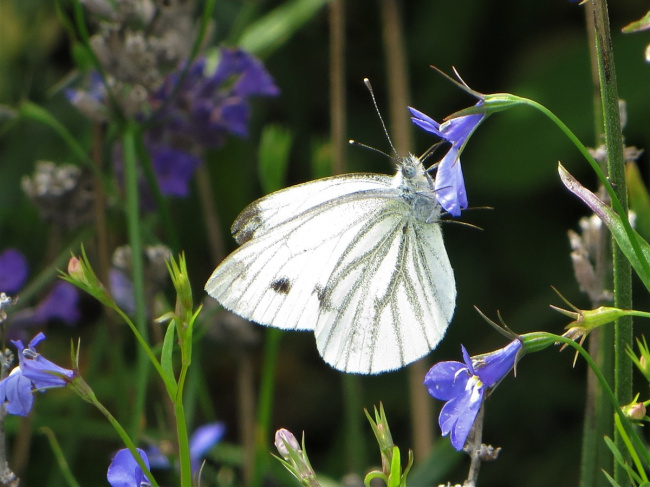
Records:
x=357, y=258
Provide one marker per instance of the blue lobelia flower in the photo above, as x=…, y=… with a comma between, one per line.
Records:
x=33, y=372
x=449, y=182
x=463, y=386
x=125, y=472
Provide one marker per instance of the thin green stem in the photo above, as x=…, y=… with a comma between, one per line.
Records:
x=137, y=264
x=183, y=441
x=631, y=432
x=125, y=438
x=630, y=448
x=161, y=203
x=265, y=405
x=622, y=269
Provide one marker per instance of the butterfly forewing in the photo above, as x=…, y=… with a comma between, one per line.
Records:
x=274, y=278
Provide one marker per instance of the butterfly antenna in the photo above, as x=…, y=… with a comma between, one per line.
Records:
x=361, y=144
x=430, y=151
x=366, y=81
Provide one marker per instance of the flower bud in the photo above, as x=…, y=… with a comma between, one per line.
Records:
x=634, y=411
x=75, y=269
x=285, y=442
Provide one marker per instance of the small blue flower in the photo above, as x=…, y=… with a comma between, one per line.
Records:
x=61, y=303
x=13, y=271
x=201, y=441
x=449, y=182
x=463, y=386
x=33, y=372
x=125, y=472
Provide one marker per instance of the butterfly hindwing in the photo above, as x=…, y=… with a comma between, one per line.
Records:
x=394, y=296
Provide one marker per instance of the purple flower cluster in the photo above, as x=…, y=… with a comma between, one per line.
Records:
x=34, y=372
x=208, y=106
x=190, y=114
x=449, y=182
x=464, y=385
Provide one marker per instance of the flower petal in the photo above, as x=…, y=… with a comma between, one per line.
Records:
x=17, y=390
x=449, y=184
x=465, y=421
x=425, y=122
x=446, y=380
x=492, y=367
x=203, y=439
x=124, y=471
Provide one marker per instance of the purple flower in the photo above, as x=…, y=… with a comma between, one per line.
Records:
x=463, y=386
x=13, y=271
x=124, y=471
x=174, y=170
x=449, y=182
x=61, y=303
x=33, y=372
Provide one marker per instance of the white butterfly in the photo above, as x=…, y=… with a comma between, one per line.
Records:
x=358, y=258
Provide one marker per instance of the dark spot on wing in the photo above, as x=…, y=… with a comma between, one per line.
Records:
x=323, y=298
x=281, y=286
x=246, y=224
x=405, y=228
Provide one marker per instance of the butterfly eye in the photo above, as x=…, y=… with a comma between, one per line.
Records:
x=408, y=171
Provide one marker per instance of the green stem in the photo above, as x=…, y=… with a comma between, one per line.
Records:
x=616, y=202
x=125, y=438
x=183, y=441
x=631, y=432
x=616, y=168
x=133, y=223
x=630, y=449
x=161, y=203
x=265, y=406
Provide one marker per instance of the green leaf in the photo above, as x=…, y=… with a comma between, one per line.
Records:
x=275, y=145
x=638, y=25
x=614, y=223
x=395, y=469
x=167, y=361
x=271, y=31
x=639, y=199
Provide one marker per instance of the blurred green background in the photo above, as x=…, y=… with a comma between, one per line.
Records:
x=533, y=49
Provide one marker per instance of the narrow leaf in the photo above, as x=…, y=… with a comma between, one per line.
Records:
x=613, y=222
x=166, y=360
